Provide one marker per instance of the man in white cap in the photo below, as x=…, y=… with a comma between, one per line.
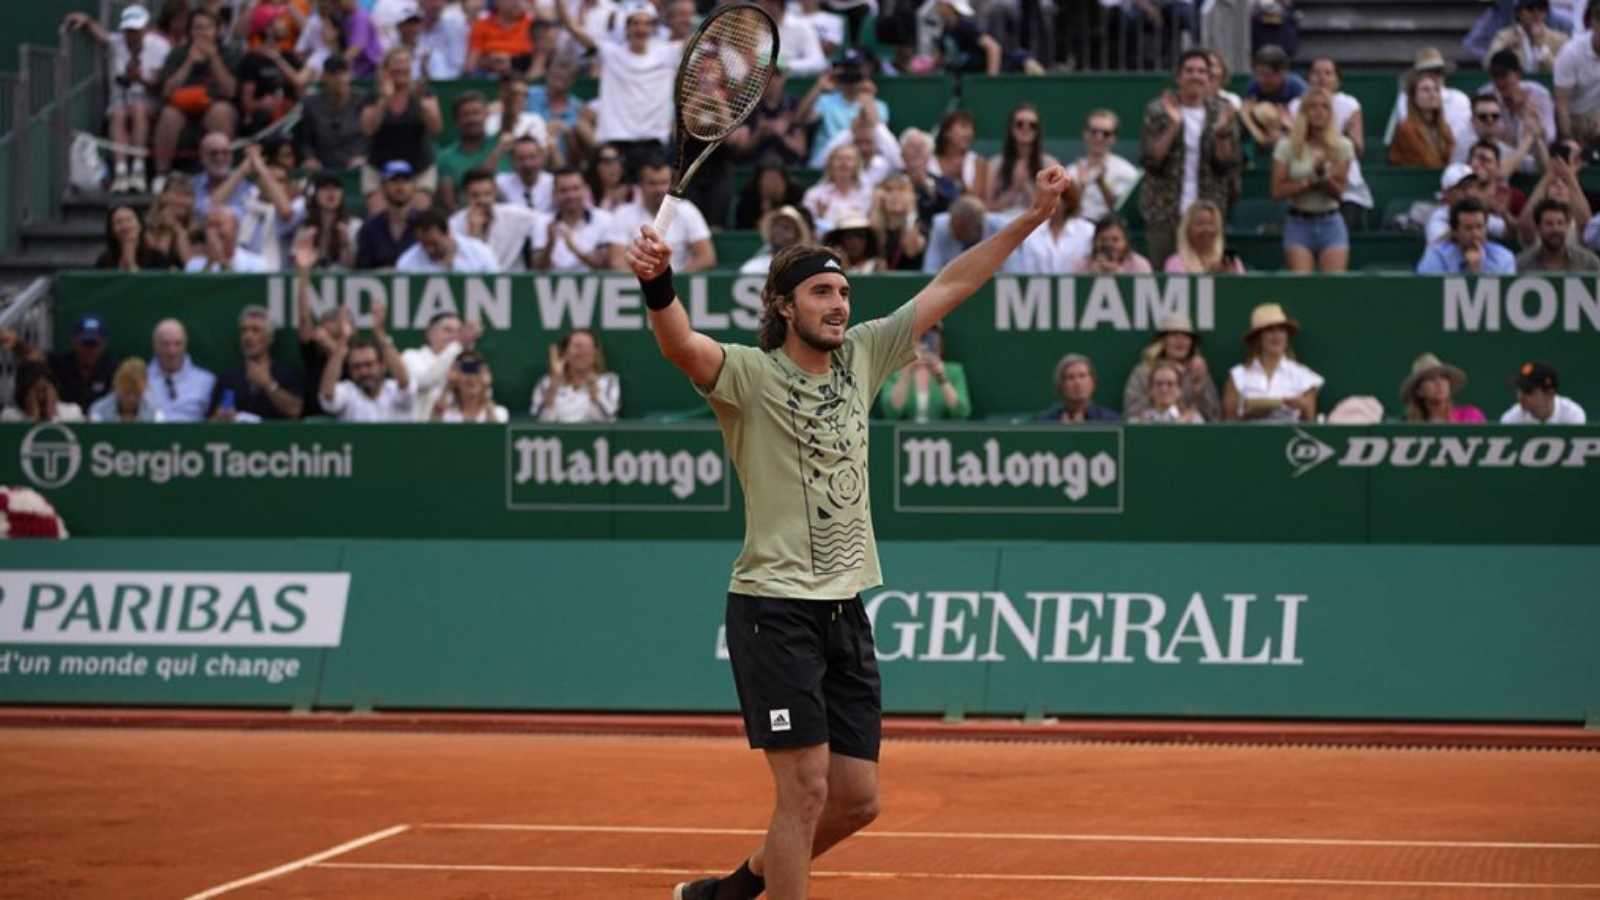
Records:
x=135, y=56
x=1459, y=182
x=636, y=77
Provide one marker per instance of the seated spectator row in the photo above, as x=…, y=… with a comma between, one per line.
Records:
x=357, y=377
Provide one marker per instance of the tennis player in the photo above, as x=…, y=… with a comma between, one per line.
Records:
x=794, y=415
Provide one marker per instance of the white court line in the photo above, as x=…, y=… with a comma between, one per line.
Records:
x=303, y=862
x=1028, y=836
x=965, y=876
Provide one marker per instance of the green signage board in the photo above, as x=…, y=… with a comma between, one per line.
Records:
x=1360, y=332
x=1221, y=483
x=622, y=467
x=1003, y=628
x=1008, y=469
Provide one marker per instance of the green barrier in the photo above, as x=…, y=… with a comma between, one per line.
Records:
x=976, y=628
x=1361, y=332
x=661, y=481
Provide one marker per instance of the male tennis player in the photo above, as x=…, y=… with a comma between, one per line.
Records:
x=794, y=415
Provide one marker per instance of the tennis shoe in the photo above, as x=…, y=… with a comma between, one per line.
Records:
x=704, y=889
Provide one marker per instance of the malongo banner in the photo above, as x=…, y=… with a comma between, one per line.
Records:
x=1009, y=469
x=977, y=481
x=619, y=467
x=1004, y=628
x=1361, y=332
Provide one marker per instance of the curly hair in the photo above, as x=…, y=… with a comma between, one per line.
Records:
x=774, y=327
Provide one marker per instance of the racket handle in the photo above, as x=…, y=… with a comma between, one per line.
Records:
x=665, y=215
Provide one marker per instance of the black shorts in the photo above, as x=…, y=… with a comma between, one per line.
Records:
x=807, y=674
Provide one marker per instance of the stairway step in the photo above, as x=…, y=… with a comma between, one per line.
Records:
x=43, y=263
x=1386, y=18
x=63, y=230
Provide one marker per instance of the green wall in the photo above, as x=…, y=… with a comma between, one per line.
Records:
x=994, y=628
x=1361, y=332
x=987, y=481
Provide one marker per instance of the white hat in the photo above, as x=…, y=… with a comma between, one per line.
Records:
x=962, y=7
x=638, y=8
x=1454, y=174
x=407, y=11
x=134, y=18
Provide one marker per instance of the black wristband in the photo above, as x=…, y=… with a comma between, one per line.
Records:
x=658, y=291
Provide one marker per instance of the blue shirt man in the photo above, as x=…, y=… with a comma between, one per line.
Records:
x=1468, y=250
x=953, y=232
x=175, y=386
x=834, y=110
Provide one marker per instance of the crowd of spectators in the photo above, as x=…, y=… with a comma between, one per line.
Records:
x=307, y=135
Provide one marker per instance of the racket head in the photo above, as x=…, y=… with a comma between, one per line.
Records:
x=726, y=66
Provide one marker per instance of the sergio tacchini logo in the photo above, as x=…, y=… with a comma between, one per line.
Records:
x=50, y=455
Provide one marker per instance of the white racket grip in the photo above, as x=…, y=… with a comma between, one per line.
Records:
x=665, y=215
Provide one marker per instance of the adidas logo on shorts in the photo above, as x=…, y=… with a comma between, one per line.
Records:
x=780, y=720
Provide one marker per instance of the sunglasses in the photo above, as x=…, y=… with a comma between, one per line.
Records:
x=1488, y=117
x=1102, y=132
x=1027, y=124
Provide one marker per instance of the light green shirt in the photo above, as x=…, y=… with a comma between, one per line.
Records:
x=799, y=443
x=1305, y=166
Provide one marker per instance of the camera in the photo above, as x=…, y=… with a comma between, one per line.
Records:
x=469, y=365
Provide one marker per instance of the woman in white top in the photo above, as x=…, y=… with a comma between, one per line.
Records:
x=468, y=397
x=1348, y=121
x=1269, y=386
x=578, y=388
x=842, y=189
x=953, y=156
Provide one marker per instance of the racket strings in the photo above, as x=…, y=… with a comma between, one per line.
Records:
x=727, y=72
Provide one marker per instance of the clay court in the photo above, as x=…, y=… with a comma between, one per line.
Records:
x=139, y=812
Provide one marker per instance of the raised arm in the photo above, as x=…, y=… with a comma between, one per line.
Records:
x=305, y=256
x=696, y=355
x=573, y=28
x=333, y=370
x=391, y=356
x=967, y=272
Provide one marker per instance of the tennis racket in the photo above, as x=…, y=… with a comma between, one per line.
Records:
x=723, y=73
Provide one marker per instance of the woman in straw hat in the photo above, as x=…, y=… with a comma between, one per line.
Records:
x=1177, y=343
x=1270, y=386
x=1428, y=391
x=853, y=237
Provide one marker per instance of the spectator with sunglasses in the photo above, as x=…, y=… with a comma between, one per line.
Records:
x=1021, y=159
x=1488, y=119
x=1107, y=179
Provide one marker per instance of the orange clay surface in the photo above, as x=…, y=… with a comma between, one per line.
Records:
x=135, y=813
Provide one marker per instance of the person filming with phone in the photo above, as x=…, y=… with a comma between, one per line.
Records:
x=928, y=389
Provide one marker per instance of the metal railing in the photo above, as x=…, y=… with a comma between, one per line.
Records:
x=55, y=90
x=28, y=314
x=1091, y=37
